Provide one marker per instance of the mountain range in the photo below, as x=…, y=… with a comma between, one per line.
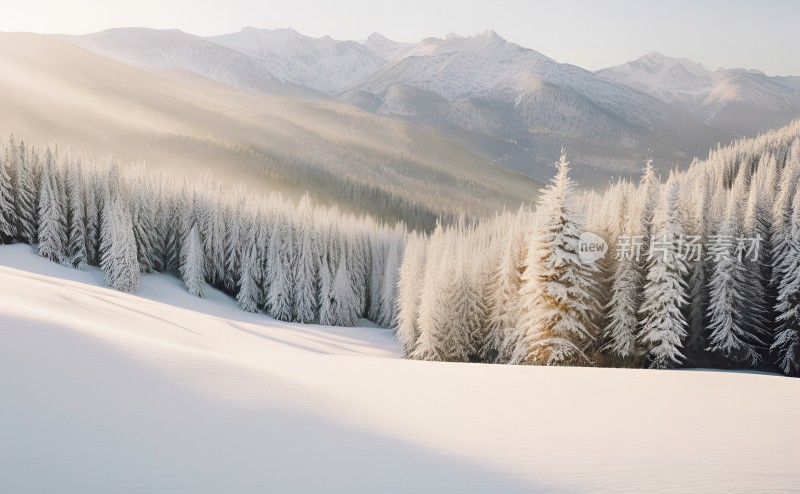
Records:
x=510, y=104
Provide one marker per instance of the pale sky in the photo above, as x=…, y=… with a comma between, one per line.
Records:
x=592, y=34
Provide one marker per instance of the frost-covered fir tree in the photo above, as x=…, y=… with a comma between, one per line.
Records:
x=118, y=260
x=52, y=218
x=379, y=252
x=622, y=316
x=730, y=337
x=26, y=199
x=663, y=325
x=554, y=297
x=143, y=217
x=7, y=229
x=388, y=282
x=248, y=296
x=409, y=286
x=233, y=239
x=504, y=292
x=76, y=218
x=94, y=194
x=193, y=263
x=280, y=297
x=694, y=202
x=344, y=299
x=441, y=337
x=787, y=337
x=305, y=265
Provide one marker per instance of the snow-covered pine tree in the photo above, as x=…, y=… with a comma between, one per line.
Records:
x=326, y=273
x=787, y=338
x=345, y=300
x=649, y=195
x=193, y=263
x=25, y=193
x=94, y=194
x=118, y=260
x=52, y=219
x=76, y=217
x=757, y=266
x=434, y=341
x=409, y=287
x=694, y=203
x=262, y=239
x=554, y=297
x=379, y=252
x=782, y=211
x=621, y=325
x=233, y=239
x=503, y=298
x=248, y=296
x=663, y=325
x=305, y=277
x=7, y=229
x=142, y=215
x=388, y=293
x=730, y=337
x=280, y=297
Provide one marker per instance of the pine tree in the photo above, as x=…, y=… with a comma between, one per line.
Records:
x=663, y=323
x=388, y=293
x=7, y=229
x=409, y=286
x=248, y=296
x=280, y=298
x=623, y=307
x=93, y=187
x=345, y=301
x=193, y=263
x=76, y=224
x=326, y=306
x=730, y=337
x=118, y=260
x=787, y=338
x=554, y=294
x=52, y=225
x=25, y=193
x=504, y=292
x=431, y=344
x=305, y=266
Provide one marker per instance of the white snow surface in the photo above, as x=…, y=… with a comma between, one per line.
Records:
x=160, y=391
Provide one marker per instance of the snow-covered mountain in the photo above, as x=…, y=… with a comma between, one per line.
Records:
x=510, y=104
x=324, y=64
x=519, y=107
x=739, y=100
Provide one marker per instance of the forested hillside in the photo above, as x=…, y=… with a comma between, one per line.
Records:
x=702, y=270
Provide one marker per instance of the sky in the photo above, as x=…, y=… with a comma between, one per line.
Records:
x=752, y=34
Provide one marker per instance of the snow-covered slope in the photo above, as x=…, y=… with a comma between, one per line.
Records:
x=174, y=49
x=739, y=100
x=163, y=392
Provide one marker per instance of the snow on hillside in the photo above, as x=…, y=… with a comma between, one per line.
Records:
x=109, y=392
